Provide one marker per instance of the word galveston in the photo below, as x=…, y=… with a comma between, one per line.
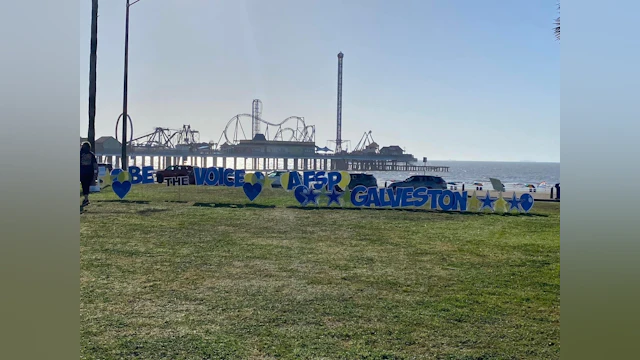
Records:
x=306, y=189
x=446, y=200
x=312, y=184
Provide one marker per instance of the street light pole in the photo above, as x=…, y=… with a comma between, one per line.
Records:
x=125, y=161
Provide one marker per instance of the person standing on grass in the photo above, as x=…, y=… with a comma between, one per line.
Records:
x=88, y=170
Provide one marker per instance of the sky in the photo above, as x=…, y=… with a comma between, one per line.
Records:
x=447, y=80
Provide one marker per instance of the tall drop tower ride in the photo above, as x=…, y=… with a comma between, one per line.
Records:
x=339, y=115
x=256, y=114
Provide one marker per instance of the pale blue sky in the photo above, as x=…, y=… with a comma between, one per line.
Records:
x=462, y=80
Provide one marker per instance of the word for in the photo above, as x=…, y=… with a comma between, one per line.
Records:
x=312, y=179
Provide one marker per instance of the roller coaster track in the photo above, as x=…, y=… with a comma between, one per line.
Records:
x=162, y=137
x=292, y=128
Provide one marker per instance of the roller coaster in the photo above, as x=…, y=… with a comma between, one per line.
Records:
x=169, y=138
x=366, y=144
x=292, y=128
x=163, y=138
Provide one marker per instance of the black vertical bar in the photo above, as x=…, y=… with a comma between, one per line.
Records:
x=93, y=60
x=124, y=159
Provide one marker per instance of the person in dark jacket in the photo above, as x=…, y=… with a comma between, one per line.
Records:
x=88, y=170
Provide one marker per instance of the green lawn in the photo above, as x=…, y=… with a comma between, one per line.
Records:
x=197, y=273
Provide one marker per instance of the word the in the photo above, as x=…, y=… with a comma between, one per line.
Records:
x=177, y=180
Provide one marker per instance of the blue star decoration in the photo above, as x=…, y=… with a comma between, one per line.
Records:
x=312, y=196
x=487, y=202
x=514, y=202
x=334, y=197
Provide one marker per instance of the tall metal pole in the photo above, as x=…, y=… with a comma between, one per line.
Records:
x=256, y=113
x=124, y=159
x=93, y=60
x=339, y=116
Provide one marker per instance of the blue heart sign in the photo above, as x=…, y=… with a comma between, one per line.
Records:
x=252, y=190
x=121, y=188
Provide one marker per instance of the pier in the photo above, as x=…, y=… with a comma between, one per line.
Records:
x=162, y=158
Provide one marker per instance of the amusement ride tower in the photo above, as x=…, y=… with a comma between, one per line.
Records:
x=339, y=115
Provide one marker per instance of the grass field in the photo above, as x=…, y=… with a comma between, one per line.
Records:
x=198, y=273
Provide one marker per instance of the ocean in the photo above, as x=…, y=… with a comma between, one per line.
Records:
x=513, y=175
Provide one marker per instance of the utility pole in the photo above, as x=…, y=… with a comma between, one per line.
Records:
x=125, y=115
x=93, y=60
x=339, y=115
x=125, y=160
